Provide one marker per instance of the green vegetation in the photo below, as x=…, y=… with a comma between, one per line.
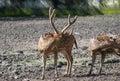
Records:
x=15, y=12
x=17, y=8
x=44, y=12
x=23, y=12
x=31, y=63
x=110, y=11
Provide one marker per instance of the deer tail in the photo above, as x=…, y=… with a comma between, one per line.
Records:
x=75, y=43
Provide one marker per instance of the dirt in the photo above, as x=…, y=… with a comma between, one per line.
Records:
x=20, y=60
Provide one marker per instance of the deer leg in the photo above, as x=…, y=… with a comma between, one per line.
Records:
x=44, y=65
x=102, y=61
x=55, y=63
x=93, y=61
x=117, y=52
x=71, y=62
x=67, y=68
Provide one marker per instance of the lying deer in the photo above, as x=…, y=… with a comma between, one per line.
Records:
x=53, y=43
x=103, y=44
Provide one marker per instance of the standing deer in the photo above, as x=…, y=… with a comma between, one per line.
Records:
x=53, y=43
x=102, y=45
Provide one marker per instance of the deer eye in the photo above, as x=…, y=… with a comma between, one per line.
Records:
x=111, y=37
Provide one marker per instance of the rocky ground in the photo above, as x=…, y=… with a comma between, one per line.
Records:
x=20, y=60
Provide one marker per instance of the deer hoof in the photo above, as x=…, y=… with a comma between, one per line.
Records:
x=66, y=75
x=56, y=75
x=69, y=75
x=99, y=73
x=89, y=73
x=43, y=77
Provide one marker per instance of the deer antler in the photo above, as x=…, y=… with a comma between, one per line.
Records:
x=69, y=23
x=52, y=20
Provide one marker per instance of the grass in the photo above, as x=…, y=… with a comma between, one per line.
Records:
x=110, y=11
x=32, y=63
x=15, y=12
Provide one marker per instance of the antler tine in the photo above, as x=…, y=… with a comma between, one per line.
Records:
x=71, y=31
x=68, y=19
x=52, y=20
x=69, y=23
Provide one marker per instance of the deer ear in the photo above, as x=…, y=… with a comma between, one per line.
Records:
x=41, y=38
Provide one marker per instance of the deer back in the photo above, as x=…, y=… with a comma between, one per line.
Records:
x=103, y=42
x=65, y=41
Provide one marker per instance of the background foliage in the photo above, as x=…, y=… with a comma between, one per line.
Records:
x=63, y=7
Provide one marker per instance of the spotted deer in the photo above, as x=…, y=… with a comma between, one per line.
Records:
x=102, y=45
x=53, y=43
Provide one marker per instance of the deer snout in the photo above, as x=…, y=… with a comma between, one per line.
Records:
x=41, y=50
x=112, y=38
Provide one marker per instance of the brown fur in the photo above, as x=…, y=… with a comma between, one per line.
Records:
x=53, y=43
x=103, y=44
